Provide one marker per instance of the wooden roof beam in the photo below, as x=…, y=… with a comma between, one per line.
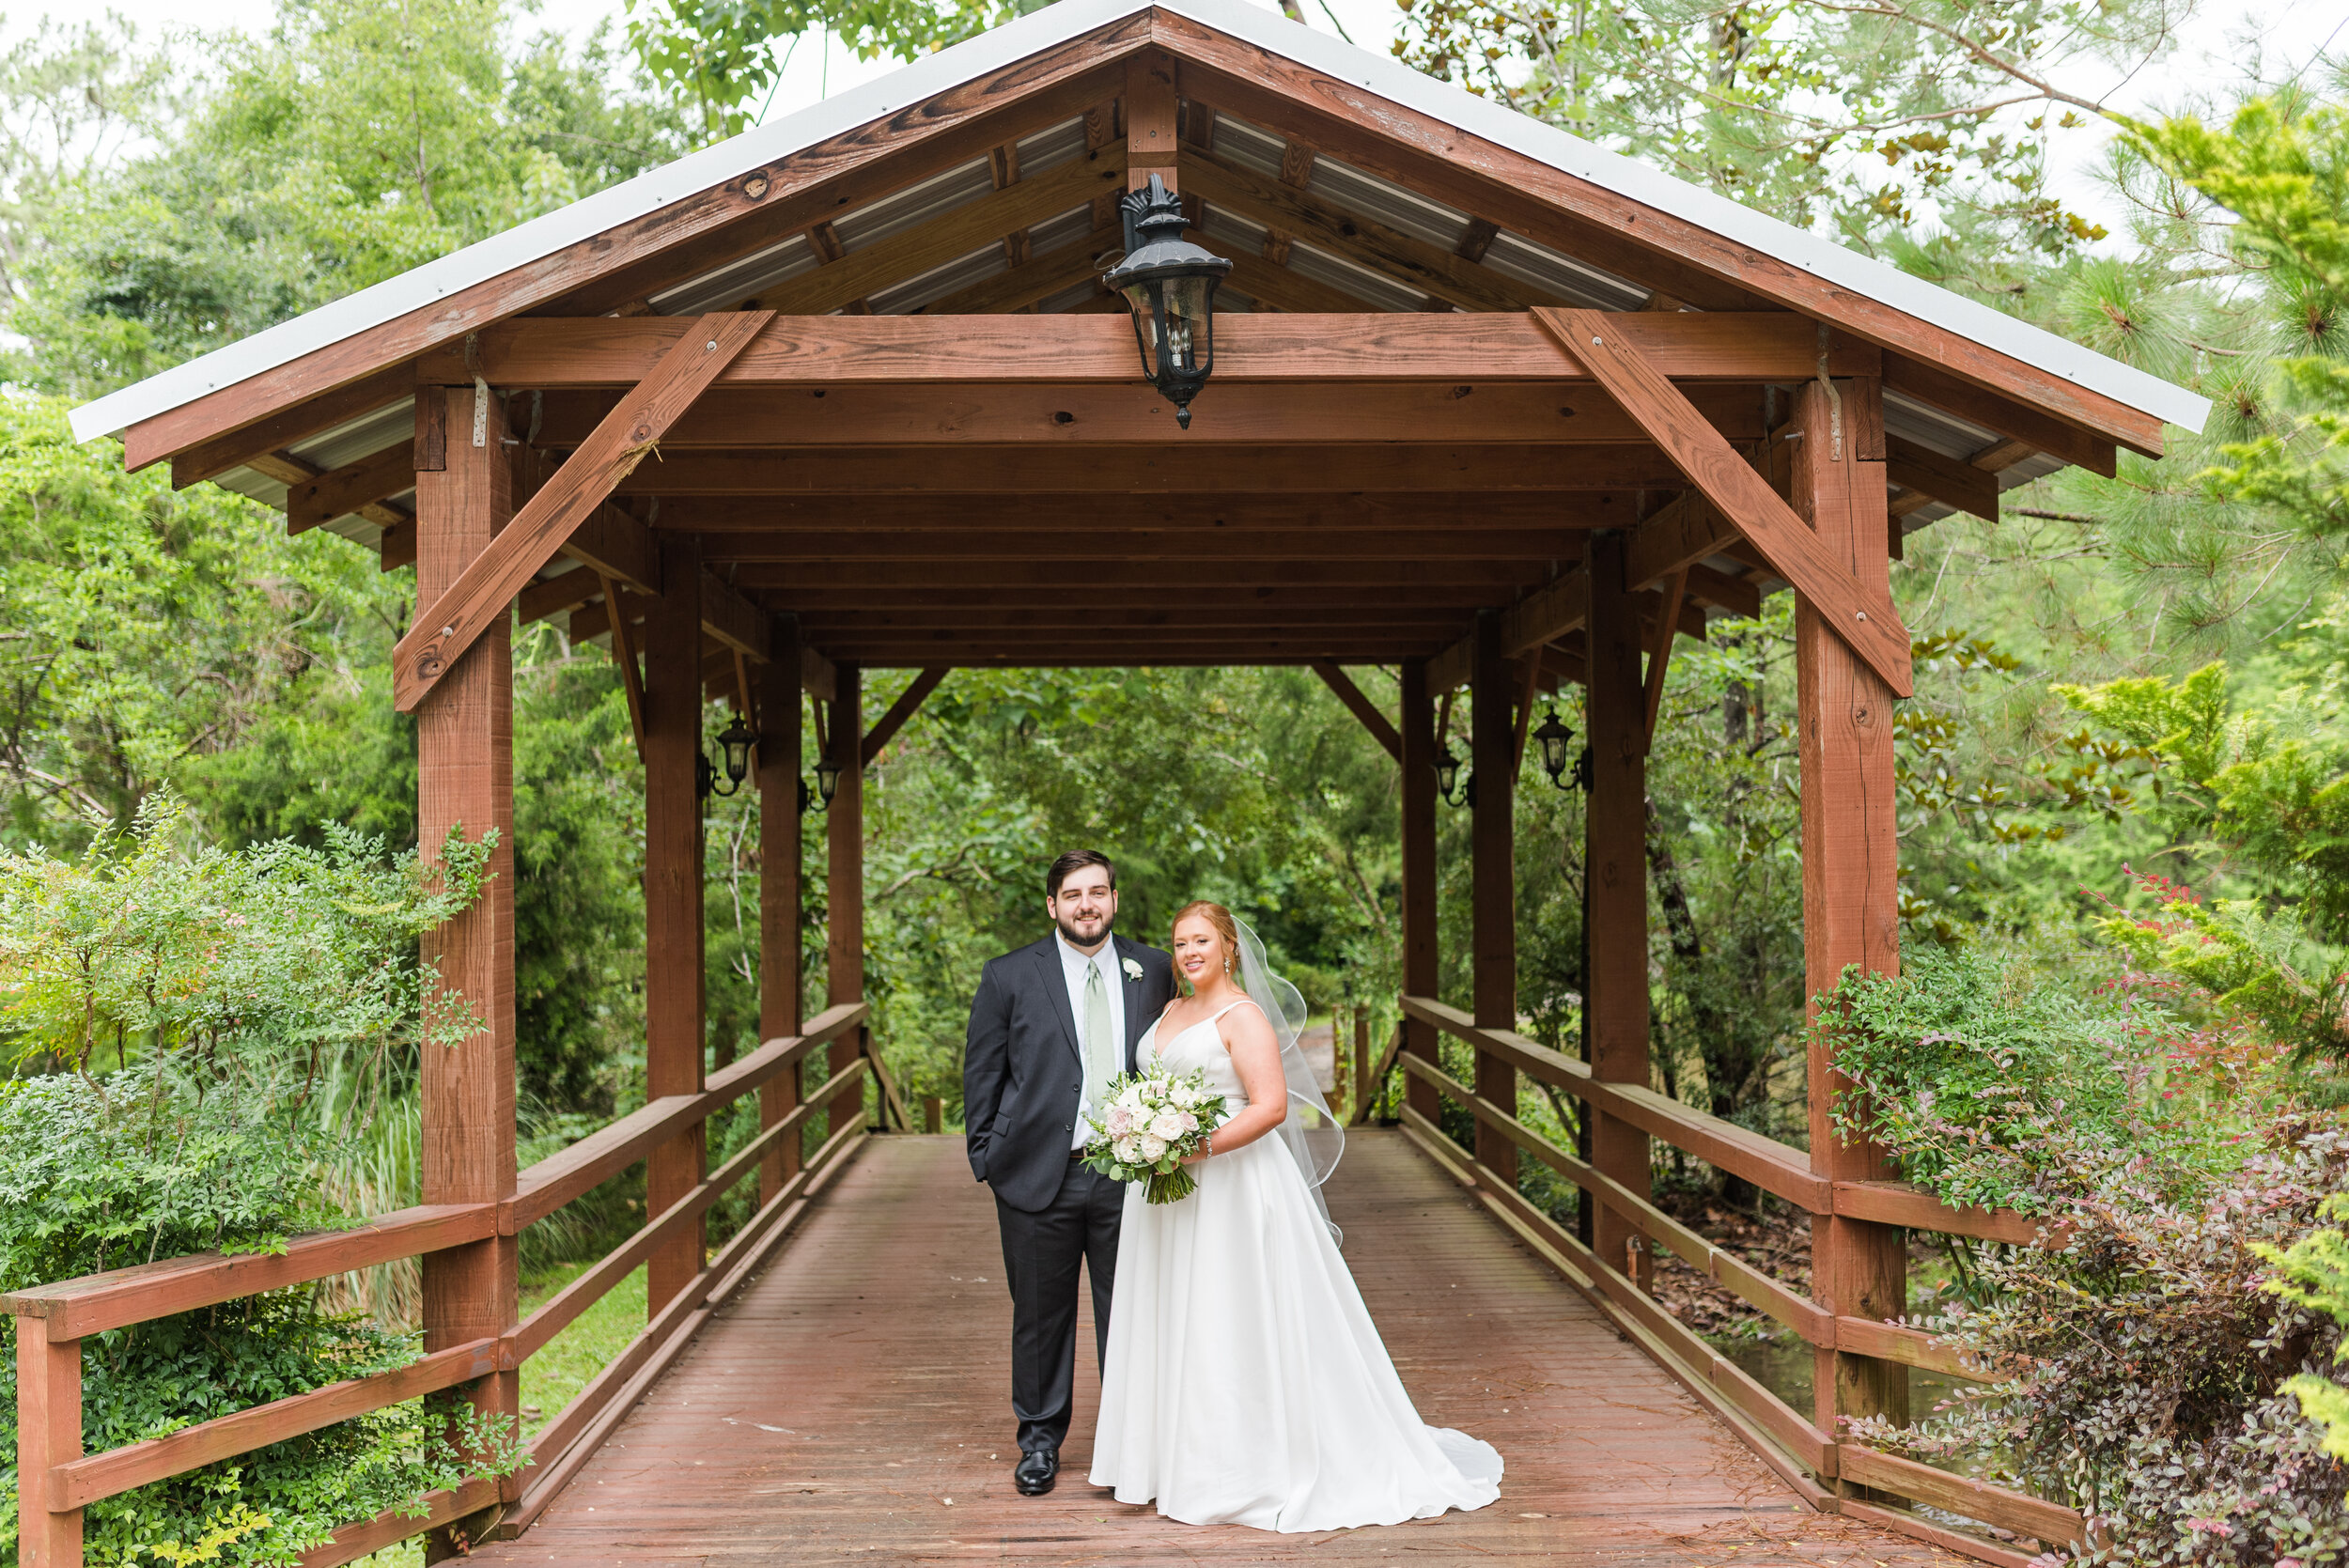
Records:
x=1504, y=577
x=850, y=619
x=1125, y=413
x=1054, y=476
x=1356, y=345
x=1563, y=515
x=1531, y=545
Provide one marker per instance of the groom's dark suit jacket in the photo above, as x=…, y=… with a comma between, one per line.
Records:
x=1023, y=1071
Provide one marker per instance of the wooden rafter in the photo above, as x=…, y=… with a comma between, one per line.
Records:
x=853, y=276
x=1034, y=278
x=1954, y=484
x=1409, y=260
x=1628, y=238
x=486, y=588
x=360, y=487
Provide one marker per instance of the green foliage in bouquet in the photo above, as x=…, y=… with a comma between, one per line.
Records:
x=1130, y=1141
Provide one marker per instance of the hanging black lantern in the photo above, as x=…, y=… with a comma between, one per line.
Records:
x=1169, y=285
x=1448, y=777
x=1555, y=737
x=826, y=780
x=734, y=742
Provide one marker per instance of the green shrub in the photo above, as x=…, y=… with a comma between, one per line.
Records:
x=178, y=1012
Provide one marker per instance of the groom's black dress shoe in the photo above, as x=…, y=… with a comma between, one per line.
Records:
x=1036, y=1472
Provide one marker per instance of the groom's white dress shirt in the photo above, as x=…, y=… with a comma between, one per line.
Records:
x=1073, y=965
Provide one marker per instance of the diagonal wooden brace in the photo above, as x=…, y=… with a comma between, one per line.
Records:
x=482, y=591
x=1867, y=622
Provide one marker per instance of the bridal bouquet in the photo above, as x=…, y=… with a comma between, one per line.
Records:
x=1152, y=1122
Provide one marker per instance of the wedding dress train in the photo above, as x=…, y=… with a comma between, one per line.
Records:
x=1245, y=1382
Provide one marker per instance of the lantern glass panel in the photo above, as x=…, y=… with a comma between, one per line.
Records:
x=1141, y=298
x=1190, y=323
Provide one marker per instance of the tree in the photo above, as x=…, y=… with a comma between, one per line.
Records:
x=1862, y=119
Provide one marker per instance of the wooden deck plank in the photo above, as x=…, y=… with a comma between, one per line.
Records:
x=838, y=1402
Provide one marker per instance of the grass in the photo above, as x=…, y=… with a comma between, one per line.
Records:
x=553, y=1378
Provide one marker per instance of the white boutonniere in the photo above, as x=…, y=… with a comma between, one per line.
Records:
x=1133, y=971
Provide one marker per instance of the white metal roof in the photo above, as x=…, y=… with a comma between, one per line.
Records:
x=1267, y=29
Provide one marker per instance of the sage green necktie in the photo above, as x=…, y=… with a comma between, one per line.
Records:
x=1100, y=1054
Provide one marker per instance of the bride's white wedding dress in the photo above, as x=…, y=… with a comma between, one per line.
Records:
x=1246, y=1383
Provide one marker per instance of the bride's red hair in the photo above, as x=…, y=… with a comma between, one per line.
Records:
x=1218, y=917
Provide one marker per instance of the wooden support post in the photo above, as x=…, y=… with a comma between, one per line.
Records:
x=1615, y=873
x=1493, y=756
x=844, y=894
x=1850, y=860
x=1150, y=106
x=49, y=1432
x=780, y=1009
x=1423, y=969
x=674, y=1000
x=465, y=782
x=933, y=1114
x=1364, y=1090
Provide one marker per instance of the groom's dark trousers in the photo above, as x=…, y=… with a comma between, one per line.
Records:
x=1022, y=1076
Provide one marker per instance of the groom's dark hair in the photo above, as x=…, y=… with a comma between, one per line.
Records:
x=1072, y=864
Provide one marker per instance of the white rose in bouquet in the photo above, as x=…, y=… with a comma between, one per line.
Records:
x=1147, y=1119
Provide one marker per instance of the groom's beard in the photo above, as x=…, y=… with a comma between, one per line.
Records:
x=1085, y=933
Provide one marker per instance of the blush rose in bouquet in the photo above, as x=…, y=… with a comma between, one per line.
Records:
x=1151, y=1124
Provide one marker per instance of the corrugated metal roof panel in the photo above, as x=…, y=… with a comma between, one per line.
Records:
x=1514, y=256
x=1239, y=142
x=914, y=206
x=1366, y=195
x=738, y=280
x=1360, y=282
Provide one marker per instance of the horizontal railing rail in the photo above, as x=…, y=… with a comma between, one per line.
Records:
x=58, y=1480
x=1781, y=1435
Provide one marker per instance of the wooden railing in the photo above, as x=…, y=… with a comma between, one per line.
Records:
x=1784, y=1438
x=55, y=1481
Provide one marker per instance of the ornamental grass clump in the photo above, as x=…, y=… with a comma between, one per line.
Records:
x=175, y=1014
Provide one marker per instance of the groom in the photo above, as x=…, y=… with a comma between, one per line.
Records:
x=1053, y=1024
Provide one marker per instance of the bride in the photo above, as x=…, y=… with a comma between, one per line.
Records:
x=1245, y=1383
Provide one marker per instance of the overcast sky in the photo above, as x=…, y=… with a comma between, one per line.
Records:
x=2217, y=49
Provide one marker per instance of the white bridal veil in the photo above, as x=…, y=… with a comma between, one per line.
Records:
x=1313, y=1136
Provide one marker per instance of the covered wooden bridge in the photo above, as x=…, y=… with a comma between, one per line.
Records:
x=846, y=394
